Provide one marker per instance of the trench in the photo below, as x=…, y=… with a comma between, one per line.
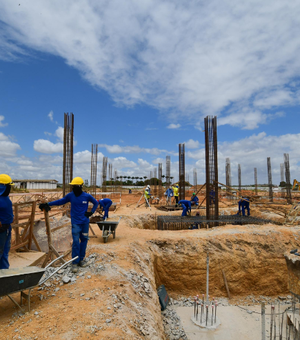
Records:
x=252, y=258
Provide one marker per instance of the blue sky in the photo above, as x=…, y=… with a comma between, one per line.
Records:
x=141, y=76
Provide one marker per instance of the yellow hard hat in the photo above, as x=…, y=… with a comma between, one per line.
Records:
x=5, y=179
x=77, y=181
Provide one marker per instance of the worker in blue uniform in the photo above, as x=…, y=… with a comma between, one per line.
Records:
x=105, y=204
x=169, y=194
x=194, y=199
x=186, y=207
x=6, y=218
x=212, y=196
x=79, y=219
x=244, y=203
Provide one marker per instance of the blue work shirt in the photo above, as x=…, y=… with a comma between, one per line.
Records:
x=195, y=199
x=104, y=202
x=6, y=210
x=186, y=203
x=79, y=205
x=169, y=192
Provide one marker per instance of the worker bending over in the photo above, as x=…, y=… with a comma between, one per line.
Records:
x=244, y=204
x=79, y=219
x=105, y=204
x=6, y=218
x=175, y=189
x=187, y=207
x=169, y=194
x=194, y=199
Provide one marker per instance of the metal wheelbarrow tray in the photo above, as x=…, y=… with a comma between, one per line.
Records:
x=16, y=280
x=108, y=228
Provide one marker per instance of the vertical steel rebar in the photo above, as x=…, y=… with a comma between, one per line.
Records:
x=263, y=321
x=160, y=180
x=155, y=182
x=228, y=175
x=240, y=178
x=68, y=152
x=181, y=171
x=211, y=160
x=94, y=169
x=255, y=180
x=270, y=179
x=207, y=278
x=281, y=172
x=168, y=170
x=195, y=179
x=104, y=174
x=287, y=178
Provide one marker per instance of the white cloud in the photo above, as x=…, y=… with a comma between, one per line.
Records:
x=8, y=149
x=48, y=133
x=131, y=149
x=45, y=146
x=2, y=124
x=173, y=126
x=192, y=144
x=50, y=115
x=183, y=58
x=3, y=137
x=60, y=133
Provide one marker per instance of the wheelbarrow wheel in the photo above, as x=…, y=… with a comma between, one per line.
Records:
x=105, y=236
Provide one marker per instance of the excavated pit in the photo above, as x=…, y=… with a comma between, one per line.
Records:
x=251, y=256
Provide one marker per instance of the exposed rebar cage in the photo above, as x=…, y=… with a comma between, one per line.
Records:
x=160, y=180
x=270, y=179
x=166, y=222
x=240, y=178
x=104, y=173
x=255, y=180
x=115, y=179
x=168, y=170
x=181, y=171
x=155, y=182
x=287, y=178
x=94, y=156
x=211, y=160
x=281, y=172
x=195, y=179
x=68, y=152
x=228, y=175
x=110, y=172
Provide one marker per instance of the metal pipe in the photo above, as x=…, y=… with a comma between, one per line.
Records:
x=206, y=314
x=263, y=321
x=207, y=278
x=212, y=314
x=271, y=323
x=216, y=311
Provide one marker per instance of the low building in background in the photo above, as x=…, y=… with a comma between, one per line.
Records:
x=35, y=183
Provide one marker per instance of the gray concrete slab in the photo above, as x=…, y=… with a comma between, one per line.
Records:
x=236, y=324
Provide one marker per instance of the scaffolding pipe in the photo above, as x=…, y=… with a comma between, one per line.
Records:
x=207, y=278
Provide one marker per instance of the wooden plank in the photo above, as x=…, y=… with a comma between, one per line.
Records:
x=226, y=285
x=60, y=227
x=30, y=233
x=20, y=245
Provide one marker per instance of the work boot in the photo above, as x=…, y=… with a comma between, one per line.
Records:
x=83, y=263
x=74, y=268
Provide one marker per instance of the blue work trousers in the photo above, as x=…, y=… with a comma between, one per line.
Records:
x=106, y=209
x=80, y=234
x=5, y=238
x=244, y=205
x=185, y=210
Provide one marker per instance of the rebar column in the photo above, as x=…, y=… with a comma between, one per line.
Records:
x=160, y=180
x=228, y=175
x=255, y=180
x=287, y=178
x=168, y=170
x=94, y=169
x=115, y=179
x=155, y=182
x=240, y=178
x=68, y=152
x=104, y=174
x=110, y=171
x=181, y=172
x=211, y=160
x=281, y=172
x=195, y=179
x=270, y=179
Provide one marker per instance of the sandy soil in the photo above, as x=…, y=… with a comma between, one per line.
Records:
x=116, y=298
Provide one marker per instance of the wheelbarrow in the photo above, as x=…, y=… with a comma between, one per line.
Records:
x=16, y=280
x=108, y=228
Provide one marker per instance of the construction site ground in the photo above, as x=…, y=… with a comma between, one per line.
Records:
x=116, y=298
